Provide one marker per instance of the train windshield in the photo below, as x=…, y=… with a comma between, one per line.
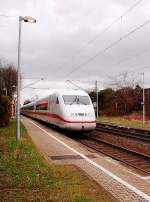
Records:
x=76, y=99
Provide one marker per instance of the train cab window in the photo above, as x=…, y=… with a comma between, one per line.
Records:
x=57, y=101
x=76, y=99
x=84, y=100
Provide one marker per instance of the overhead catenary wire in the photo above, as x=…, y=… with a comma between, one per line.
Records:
x=90, y=82
x=139, y=68
x=102, y=32
x=135, y=71
x=113, y=44
x=133, y=57
x=38, y=88
x=115, y=21
x=41, y=79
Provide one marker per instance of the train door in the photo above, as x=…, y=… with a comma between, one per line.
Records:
x=56, y=109
x=49, y=104
x=50, y=109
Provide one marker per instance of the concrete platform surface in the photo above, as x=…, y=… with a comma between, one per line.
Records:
x=123, y=183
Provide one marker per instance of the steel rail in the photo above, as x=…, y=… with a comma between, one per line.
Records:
x=128, y=128
x=118, y=146
x=123, y=131
x=114, y=156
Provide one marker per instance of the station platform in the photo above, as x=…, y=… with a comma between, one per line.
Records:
x=122, y=182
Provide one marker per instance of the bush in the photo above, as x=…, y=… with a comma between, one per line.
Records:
x=5, y=110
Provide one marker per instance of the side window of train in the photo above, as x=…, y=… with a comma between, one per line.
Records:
x=30, y=108
x=42, y=106
x=57, y=101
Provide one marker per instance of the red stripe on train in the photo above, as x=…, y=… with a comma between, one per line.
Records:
x=58, y=117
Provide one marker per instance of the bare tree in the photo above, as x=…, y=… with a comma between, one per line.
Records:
x=124, y=79
x=8, y=80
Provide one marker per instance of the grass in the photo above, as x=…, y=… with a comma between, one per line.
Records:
x=26, y=176
x=124, y=121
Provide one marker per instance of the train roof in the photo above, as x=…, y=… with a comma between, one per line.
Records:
x=71, y=92
x=59, y=92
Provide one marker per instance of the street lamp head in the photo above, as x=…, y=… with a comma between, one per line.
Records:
x=13, y=86
x=27, y=19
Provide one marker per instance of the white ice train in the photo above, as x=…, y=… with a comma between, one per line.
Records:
x=71, y=110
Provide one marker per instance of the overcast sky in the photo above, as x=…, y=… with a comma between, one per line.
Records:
x=68, y=33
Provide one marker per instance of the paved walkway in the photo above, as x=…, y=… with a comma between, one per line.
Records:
x=122, y=183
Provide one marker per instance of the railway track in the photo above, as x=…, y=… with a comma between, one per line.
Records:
x=124, y=131
x=127, y=145
x=134, y=159
x=120, y=145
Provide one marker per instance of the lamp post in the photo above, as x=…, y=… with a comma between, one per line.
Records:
x=29, y=20
x=13, y=105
